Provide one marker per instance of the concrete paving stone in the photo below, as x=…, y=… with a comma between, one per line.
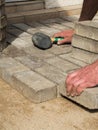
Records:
x=88, y=99
x=50, y=21
x=85, y=43
x=8, y=67
x=17, y=32
x=37, y=27
x=14, y=32
x=87, y=29
x=36, y=53
x=22, y=36
x=52, y=73
x=26, y=28
x=44, y=29
x=69, y=58
x=34, y=87
x=49, y=31
x=71, y=18
x=85, y=56
x=30, y=62
x=12, y=51
x=62, y=64
x=58, y=50
x=57, y=26
x=28, y=39
x=20, y=43
x=36, y=24
x=68, y=24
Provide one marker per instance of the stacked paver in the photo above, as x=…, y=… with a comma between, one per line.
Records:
x=3, y=23
x=85, y=42
x=85, y=49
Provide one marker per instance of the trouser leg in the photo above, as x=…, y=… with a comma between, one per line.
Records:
x=89, y=9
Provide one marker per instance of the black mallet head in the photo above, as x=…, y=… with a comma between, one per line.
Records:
x=41, y=41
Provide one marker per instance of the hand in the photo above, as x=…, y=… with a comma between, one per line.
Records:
x=68, y=34
x=81, y=79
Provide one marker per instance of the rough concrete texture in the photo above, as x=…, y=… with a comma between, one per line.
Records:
x=8, y=67
x=89, y=98
x=30, y=62
x=52, y=73
x=85, y=56
x=37, y=53
x=87, y=29
x=85, y=43
x=58, y=50
x=35, y=87
x=20, y=43
x=18, y=113
x=61, y=64
x=29, y=83
x=69, y=58
x=17, y=32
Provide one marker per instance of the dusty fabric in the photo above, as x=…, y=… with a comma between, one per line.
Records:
x=89, y=9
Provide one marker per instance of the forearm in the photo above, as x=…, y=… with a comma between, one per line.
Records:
x=89, y=9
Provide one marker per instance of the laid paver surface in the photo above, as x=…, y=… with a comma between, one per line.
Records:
x=50, y=67
x=18, y=113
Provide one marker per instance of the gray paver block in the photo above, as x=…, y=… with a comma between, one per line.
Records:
x=68, y=24
x=85, y=56
x=44, y=29
x=88, y=99
x=38, y=53
x=8, y=67
x=85, y=43
x=58, y=50
x=54, y=20
x=17, y=32
x=35, y=87
x=69, y=58
x=57, y=26
x=36, y=25
x=26, y=28
x=70, y=18
x=12, y=51
x=62, y=64
x=52, y=73
x=20, y=43
x=87, y=29
x=32, y=85
x=30, y=62
x=48, y=30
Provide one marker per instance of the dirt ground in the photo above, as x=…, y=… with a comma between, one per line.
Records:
x=17, y=113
